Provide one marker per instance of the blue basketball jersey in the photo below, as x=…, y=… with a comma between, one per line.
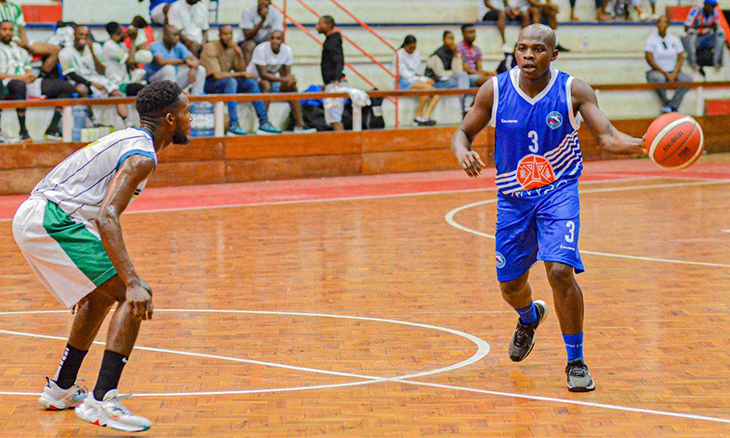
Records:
x=536, y=139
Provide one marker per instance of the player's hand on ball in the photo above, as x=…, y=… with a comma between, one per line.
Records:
x=139, y=297
x=472, y=163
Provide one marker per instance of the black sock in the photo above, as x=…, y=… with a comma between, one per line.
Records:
x=111, y=370
x=55, y=120
x=68, y=370
x=21, y=121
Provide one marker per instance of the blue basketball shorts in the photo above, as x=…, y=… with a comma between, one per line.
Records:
x=538, y=227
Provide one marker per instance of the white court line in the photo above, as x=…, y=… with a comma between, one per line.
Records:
x=366, y=198
x=451, y=221
x=371, y=379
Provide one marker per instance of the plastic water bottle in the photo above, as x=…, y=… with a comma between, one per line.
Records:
x=80, y=112
x=203, y=120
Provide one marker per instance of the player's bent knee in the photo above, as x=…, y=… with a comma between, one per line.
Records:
x=513, y=287
x=560, y=275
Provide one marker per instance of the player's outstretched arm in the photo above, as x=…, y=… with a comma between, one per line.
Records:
x=476, y=120
x=130, y=175
x=609, y=138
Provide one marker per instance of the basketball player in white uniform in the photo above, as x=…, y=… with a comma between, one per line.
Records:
x=70, y=234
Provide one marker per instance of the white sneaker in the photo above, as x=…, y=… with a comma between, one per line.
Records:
x=302, y=130
x=111, y=413
x=56, y=398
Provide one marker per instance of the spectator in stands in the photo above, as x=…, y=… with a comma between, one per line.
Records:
x=509, y=62
x=638, y=8
x=409, y=63
x=332, y=66
x=257, y=24
x=17, y=76
x=119, y=64
x=601, y=14
x=271, y=63
x=494, y=11
x=665, y=56
x=11, y=12
x=519, y=11
x=137, y=33
x=703, y=32
x=82, y=67
x=190, y=17
x=446, y=68
x=545, y=12
x=159, y=10
x=173, y=61
x=227, y=74
x=472, y=57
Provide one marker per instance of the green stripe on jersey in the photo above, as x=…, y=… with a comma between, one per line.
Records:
x=83, y=248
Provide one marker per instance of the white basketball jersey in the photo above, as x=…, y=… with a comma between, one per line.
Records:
x=78, y=184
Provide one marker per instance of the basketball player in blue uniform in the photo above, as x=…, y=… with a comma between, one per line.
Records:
x=533, y=109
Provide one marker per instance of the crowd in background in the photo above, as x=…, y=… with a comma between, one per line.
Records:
x=72, y=63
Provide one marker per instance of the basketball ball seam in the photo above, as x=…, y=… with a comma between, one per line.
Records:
x=697, y=154
x=661, y=134
x=681, y=145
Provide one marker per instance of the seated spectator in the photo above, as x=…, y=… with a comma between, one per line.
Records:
x=509, y=62
x=472, y=57
x=446, y=68
x=271, y=63
x=518, y=11
x=665, y=56
x=174, y=62
x=82, y=67
x=159, y=10
x=643, y=16
x=136, y=35
x=703, y=32
x=227, y=74
x=601, y=14
x=409, y=62
x=20, y=82
x=494, y=11
x=546, y=12
x=333, y=76
x=190, y=17
x=119, y=64
x=257, y=24
x=49, y=52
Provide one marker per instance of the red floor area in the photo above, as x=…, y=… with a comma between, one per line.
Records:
x=370, y=186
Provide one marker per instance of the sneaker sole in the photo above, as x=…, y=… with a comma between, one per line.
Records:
x=53, y=405
x=83, y=414
x=542, y=318
x=260, y=132
x=583, y=388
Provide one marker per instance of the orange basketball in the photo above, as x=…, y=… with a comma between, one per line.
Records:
x=675, y=141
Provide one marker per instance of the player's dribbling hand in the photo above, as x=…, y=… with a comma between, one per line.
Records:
x=472, y=163
x=139, y=297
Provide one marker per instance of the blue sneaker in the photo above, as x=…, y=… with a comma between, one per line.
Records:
x=267, y=128
x=236, y=130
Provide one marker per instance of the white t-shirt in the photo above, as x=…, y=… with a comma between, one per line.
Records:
x=190, y=20
x=665, y=50
x=14, y=60
x=483, y=9
x=73, y=61
x=274, y=21
x=410, y=67
x=521, y=4
x=79, y=183
x=264, y=56
x=115, y=58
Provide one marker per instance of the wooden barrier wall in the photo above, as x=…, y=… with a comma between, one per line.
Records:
x=289, y=156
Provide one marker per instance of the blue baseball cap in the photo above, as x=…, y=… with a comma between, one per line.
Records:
x=711, y=2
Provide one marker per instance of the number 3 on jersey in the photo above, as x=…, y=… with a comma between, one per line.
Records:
x=534, y=147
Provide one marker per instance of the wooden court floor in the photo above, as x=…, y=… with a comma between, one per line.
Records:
x=358, y=314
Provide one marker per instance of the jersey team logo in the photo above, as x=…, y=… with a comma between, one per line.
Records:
x=555, y=120
x=501, y=261
x=535, y=171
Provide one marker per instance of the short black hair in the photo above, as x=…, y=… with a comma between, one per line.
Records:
x=6, y=21
x=410, y=39
x=112, y=27
x=328, y=19
x=466, y=26
x=156, y=98
x=139, y=22
x=447, y=32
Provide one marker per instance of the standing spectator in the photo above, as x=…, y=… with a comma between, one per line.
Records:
x=409, y=63
x=227, y=74
x=472, y=56
x=494, y=11
x=119, y=64
x=257, y=24
x=82, y=67
x=174, y=62
x=159, y=10
x=17, y=76
x=332, y=66
x=665, y=56
x=190, y=17
x=11, y=12
x=271, y=63
x=446, y=68
x=703, y=32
